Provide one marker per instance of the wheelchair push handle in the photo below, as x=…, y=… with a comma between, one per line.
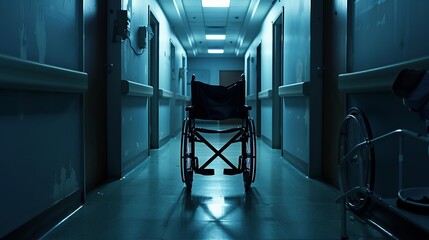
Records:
x=242, y=77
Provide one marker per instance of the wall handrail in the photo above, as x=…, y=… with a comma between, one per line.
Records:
x=301, y=89
x=377, y=79
x=265, y=95
x=131, y=88
x=180, y=97
x=252, y=97
x=16, y=73
x=165, y=94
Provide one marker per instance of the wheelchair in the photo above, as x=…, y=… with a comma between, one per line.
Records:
x=211, y=102
x=357, y=160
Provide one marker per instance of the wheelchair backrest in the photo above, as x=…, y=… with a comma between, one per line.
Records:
x=212, y=102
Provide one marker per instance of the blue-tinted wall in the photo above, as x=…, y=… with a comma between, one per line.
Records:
x=134, y=110
x=386, y=32
x=383, y=33
x=44, y=136
x=168, y=124
x=41, y=151
x=43, y=31
x=300, y=114
x=41, y=132
x=296, y=115
x=379, y=33
x=207, y=69
x=128, y=116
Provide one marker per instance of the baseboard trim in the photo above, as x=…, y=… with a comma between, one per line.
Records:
x=45, y=221
x=175, y=133
x=299, y=164
x=387, y=218
x=267, y=141
x=136, y=160
x=163, y=141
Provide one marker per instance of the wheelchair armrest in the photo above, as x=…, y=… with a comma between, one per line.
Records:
x=190, y=108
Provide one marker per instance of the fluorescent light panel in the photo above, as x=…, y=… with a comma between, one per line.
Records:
x=215, y=51
x=215, y=37
x=215, y=3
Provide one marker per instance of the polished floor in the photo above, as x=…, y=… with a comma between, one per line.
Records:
x=151, y=202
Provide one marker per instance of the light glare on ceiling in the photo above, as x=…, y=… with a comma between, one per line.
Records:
x=215, y=37
x=215, y=3
x=215, y=51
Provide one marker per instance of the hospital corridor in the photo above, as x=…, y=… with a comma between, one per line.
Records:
x=214, y=119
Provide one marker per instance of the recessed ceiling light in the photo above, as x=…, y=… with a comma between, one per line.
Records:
x=215, y=51
x=215, y=3
x=215, y=37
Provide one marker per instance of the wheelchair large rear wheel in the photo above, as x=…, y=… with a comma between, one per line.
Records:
x=186, y=169
x=359, y=171
x=249, y=157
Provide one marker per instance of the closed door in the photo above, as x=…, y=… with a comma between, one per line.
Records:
x=228, y=77
x=154, y=82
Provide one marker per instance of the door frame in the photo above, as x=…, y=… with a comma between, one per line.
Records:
x=277, y=71
x=236, y=73
x=258, y=90
x=153, y=126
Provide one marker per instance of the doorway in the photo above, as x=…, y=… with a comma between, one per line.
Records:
x=226, y=78
x=258, y=90
x=153, y=130
x=277, y=80
x=182, y=77
x=174, y=107
x=247, y=76
x=96, y=105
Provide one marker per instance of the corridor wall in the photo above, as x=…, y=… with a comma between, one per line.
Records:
x=127, y=137
x=169, y=80
x=301, y=89
x=129, y=126
x=265, y=40
x=296, y=111
x=207, y=69
x=383, y=33
x=41, y=113
x=178, y=79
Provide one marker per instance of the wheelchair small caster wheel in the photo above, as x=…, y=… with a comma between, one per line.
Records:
x=188, y=180
x=247, y=180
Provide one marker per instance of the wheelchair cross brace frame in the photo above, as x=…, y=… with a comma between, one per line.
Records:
x=218, y=153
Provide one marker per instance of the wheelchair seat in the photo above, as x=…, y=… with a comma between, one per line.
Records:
x=212, y=102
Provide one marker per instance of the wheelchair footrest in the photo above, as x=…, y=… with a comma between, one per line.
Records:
x=205, y=171
x=231, y=171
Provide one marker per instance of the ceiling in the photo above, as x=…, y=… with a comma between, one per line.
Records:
x=241, y=22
